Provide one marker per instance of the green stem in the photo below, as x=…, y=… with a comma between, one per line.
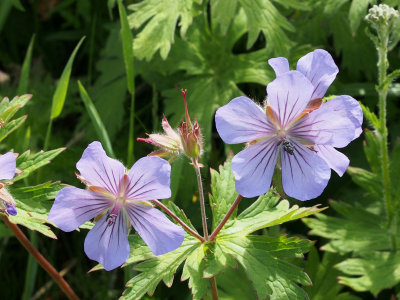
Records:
x=382, y=91
x=64, y=286
x=226, y=218
x=131, y=137
x=201, y=195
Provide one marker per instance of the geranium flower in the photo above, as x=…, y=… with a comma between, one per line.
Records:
x=7, y=171
x=294, y=126
x=125, y=197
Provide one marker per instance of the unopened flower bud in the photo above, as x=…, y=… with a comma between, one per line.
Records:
x=382, y=17
x=190, y=134
x=170, y=143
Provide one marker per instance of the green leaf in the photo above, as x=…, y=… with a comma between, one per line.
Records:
x=111, y=83
x=232, y=285
x=371, y=117
x=127, y=47
x=29, y=163
x=213, y=72
x=33, y=206
x=62, y=85
x=158, y=268
x=96, y=120
x=11, y=126
x=269, y=275
x=367, y=180
x=358, y=230
x=9, y=108
x=358, y=10
x=161, y=18
x=372, y=151
x=372, y=272
x=223, y=192
x=26, y=67
x=266, y=212
x=261, y=16
x=180, y=214
x=193, y=270
x=324, y=277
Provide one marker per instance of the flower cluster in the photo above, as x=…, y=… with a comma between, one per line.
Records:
x=119, y=197
x=294, y=129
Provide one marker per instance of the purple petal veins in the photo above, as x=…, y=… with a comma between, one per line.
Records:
x=301, y=129
x=119, y=195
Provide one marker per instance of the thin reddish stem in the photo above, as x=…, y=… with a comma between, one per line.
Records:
x=176, y=218
x=214, y=289
x=201, y=195
x=226, y=218
x=64, y=286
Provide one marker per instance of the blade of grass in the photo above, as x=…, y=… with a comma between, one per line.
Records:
x=26, y=68
x=5, y=7
x=60, y=93
x=127, y=48
x=96, y=120
x=62, y=86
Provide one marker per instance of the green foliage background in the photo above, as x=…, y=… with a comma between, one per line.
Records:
x=217, y=50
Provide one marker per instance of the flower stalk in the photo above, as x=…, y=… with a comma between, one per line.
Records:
x=201, y=196
x=382, y=18
x=226, y=218
x=64, y=286
x=176, y=218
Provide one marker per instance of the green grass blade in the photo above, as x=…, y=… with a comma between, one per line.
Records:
x=26, y=68
x=62, y=86
x=127, y=47
x=5, y=7
x=97, y=123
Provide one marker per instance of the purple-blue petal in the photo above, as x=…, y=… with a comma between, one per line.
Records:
x=253, y=168
x=349, y=107
x=324, y=127
x=241, y=121
x=158, y=232
x=149, y=179
x=107, y=243
x=336, y=160
x=99, y=169
x=280, y=65
x=318, y=66
x=7, y=166
x=73, y=207
x=304, y=174
x=288, y=96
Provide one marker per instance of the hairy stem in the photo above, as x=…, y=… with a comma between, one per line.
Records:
x=41, y=260
x=214, y=289
x=382, y=91
x=176, y=218
x=201, y=195
x=226, y=218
